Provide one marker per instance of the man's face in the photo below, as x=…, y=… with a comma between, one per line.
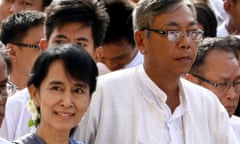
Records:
x=220, y=67
x=73, y=32
x=3, y=90
x=116, y=55
x=164, y=57
x=26, y=56
x=8, y=7
x=234, y=13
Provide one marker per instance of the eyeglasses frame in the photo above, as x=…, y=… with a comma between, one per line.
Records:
x=162, y=32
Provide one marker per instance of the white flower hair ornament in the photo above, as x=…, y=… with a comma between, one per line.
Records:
x=32, y=108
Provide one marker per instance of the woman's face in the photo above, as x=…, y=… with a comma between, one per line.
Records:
x=62, y=100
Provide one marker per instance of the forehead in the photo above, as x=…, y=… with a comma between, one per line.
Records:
x=219, y=61
x=31, y=4
x=73, y=29
x=181, y=17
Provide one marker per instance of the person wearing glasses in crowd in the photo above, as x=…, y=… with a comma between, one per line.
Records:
x=67, y=21
x=216, y=68
x=152, y=103
x=8, y=7
x=5, y=68
x=21, y=33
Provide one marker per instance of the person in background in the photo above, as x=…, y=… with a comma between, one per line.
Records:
x=152, y=103
x=206, y=19
x=8, y=7
x=118, y=50
x=235, y=42
x=217, y=8
x=217, y=68
x=5, y=69
x=86, y=27
x=21, y=33
x=231, y=25
x=60, y=92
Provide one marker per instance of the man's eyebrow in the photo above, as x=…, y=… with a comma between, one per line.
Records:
x=82, y=39
x=55, y=82
x=81, y=84
x=172, y=23
x=61, y=36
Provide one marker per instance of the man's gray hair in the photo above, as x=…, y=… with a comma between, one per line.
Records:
x=146, y=10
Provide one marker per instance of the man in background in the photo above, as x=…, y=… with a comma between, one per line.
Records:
x=216, y=68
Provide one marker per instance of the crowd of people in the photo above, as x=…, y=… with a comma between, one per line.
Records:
x=119, y=71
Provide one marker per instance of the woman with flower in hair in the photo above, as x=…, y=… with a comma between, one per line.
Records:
x=61, y=83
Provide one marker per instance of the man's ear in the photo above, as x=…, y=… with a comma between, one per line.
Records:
x=12, y=51
x=228, y=6
x=43, y=44
x=34, y=93
x=140, y=39
x=98, y=54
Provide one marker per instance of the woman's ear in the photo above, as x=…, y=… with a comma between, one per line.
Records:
x=34, y=93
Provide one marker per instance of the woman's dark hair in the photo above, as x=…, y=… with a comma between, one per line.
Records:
x=77, y=62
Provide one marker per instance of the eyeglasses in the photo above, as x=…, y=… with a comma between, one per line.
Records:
x=3, y=92
x=26, y=45
x=174, y=35
x=222, y=86
x=11, y=88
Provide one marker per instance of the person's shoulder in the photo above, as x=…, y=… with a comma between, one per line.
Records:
x=222, y=30
x=3, y=141
x=197, y=92
x=30, y=138
x=118, y=74
x=72, y=141
x=235, y=120
x=188, y=85
x=21, y=96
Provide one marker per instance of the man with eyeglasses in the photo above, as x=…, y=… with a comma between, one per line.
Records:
x=217, y=68
x=152, y=103
x=5, y=68
x=21, y=32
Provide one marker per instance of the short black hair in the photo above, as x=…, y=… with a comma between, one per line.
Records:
x=82, y=11
x=207, y=19
x=46, y=3
x=120, y=26
x=77, y=62
x=16, y=26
